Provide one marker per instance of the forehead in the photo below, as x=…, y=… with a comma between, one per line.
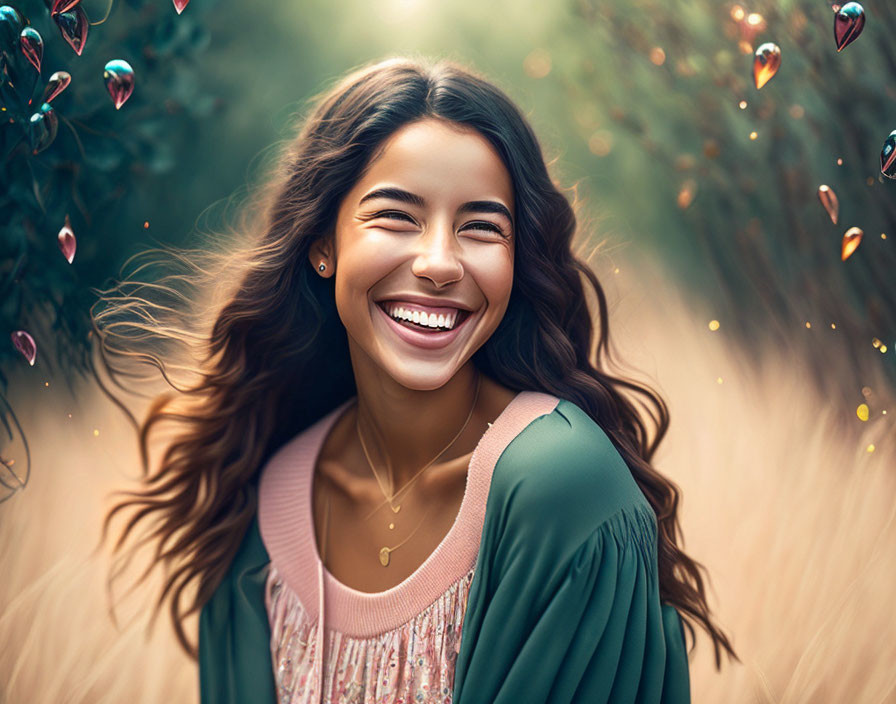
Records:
x=441, y=161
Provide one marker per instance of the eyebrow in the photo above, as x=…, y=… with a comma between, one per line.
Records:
x=473, y=206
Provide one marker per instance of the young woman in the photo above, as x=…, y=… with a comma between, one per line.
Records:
x=404, y=473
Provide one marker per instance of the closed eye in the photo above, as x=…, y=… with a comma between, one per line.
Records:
x=394, y=214
x=477, y=225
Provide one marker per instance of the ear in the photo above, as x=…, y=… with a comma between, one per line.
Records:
x=321, y=250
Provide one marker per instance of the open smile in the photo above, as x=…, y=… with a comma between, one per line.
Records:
x=421, y=335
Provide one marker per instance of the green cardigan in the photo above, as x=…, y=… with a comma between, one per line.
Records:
x=564, y=605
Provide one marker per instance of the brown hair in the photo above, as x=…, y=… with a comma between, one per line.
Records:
x=275, y=357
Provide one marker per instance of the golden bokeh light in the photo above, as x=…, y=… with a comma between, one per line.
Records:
x=601, y=143
x=538, y=63
x=686, y=194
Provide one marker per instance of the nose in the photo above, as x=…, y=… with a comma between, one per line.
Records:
x=438, y=256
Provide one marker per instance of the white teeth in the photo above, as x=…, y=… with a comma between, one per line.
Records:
x=422, y=318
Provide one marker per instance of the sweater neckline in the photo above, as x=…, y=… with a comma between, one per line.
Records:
x=287, y=526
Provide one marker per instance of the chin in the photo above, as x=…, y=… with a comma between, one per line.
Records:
x=424, y=379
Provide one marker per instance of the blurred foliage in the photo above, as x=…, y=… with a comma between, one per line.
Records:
x=636, y=103
x=739, y=217
x=94, y=169
x=99, y=158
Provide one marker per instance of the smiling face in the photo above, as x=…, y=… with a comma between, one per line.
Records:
x=426, y=233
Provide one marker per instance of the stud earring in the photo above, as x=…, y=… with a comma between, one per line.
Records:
x=321, y=266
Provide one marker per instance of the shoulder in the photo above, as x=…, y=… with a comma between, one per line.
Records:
x=563, y=476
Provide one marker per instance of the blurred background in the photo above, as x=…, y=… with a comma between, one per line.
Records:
x=698, y=197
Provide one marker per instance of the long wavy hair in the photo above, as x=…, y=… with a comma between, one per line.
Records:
x=258, y=337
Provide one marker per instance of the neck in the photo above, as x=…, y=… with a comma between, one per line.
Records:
x=404, y=429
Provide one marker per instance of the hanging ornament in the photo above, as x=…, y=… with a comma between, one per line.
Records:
x=849, y=21
x=179, y=5
x=73, y=26
x=766, y=62
x=42, y=128
x=119, y=77
x=11, y=26
x=17, y=72
x=32, y=46
x=852, y=238
x=67, y=243
x=58, y=82
x=62, y=6
x=24, y=343
x=888, y=156
x=829, y=200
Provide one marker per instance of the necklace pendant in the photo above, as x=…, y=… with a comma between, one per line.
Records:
x=395, y=509
x=384, y=557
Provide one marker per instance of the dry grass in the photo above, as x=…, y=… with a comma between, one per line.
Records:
x=59, y=643
x=791, y=515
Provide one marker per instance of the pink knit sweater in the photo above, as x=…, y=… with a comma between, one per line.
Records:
x=388, y=647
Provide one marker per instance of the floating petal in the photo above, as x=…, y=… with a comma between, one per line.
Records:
x=73, y=26
x=829, y=200
x=24, y=343
x=42, y=128
x=32, y=46
x=862, y=411
x=67, y=243
x=119, y=77
x=766, y=62
x=849, y=21
x=58, y=82
x=62, y=6
x=888, y=156
x=851, y=239
x=179, y=5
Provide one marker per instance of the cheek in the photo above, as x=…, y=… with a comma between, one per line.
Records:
x=493, y=272
x=360, y=267
x=361, y=264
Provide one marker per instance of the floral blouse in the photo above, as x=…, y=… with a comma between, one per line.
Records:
x=411, y=663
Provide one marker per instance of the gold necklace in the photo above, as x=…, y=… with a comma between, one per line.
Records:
x=384, y=551
x=384, y=556
x=396, y=509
